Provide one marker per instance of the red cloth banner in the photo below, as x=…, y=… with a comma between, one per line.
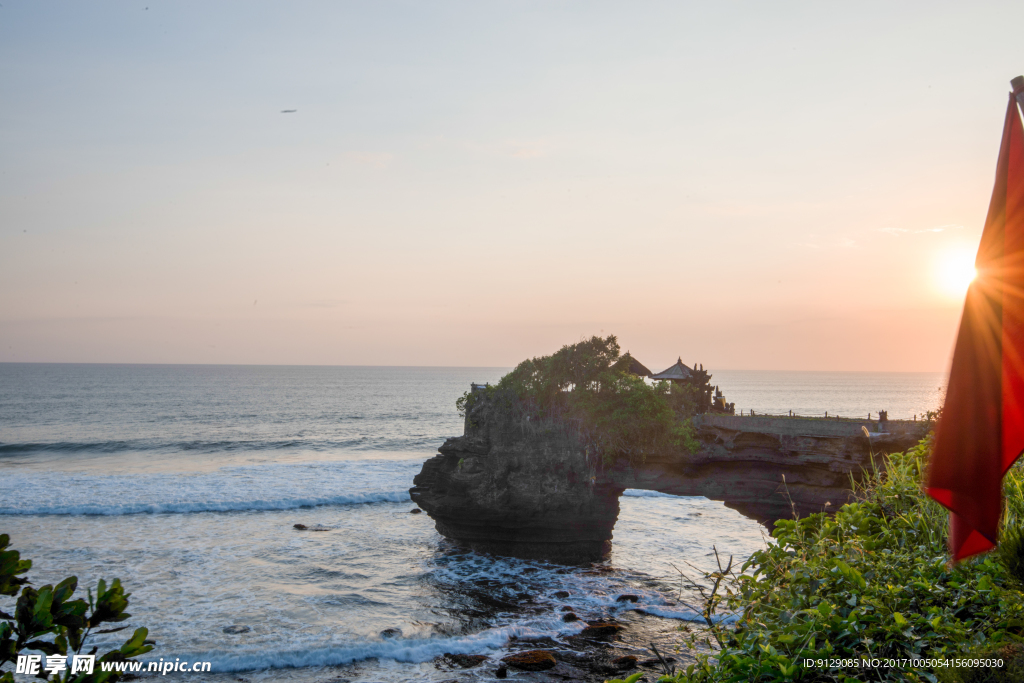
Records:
x=981, y=431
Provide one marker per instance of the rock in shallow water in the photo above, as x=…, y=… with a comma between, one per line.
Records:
x=600, y=629
x=531, y=660
x=463, y=661
x=625, y=662
x=236, y=629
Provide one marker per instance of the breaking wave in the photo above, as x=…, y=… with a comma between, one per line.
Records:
x=230, y=489
x=643, y=493
x=220, y=445
x=411, y=650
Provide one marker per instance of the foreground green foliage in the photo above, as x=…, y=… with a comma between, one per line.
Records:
x=47, y=620
x=873, y=582
x=618, y=414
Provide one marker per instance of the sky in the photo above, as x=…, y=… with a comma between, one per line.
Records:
x=778, y=186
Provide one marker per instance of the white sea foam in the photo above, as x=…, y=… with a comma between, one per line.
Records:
x=410, y=651
x=643, y=493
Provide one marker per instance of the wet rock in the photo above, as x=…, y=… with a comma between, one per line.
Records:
x=628, y=597
x=463, y=661
x=236, y=629
x=600, y=629
x=531, y=660
x=541, y=641
x=562, y=595
x=570, y=616
x=391, y=633
x=300, y=527
x=567, y=609
x=494, y=602
x=624, y=663
x=501, y=672
x=654, y=661
x=315, y=527
x=415, y=511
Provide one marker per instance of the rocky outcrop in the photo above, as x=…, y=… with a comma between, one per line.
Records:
x=516, y=486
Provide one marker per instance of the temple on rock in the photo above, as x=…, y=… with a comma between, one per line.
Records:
x=710, y=399
x=678, y=373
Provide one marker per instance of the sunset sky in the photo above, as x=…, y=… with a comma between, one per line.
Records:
x=748, y=185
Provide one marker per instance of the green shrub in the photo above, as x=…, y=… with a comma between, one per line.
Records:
x=586, y=385
x=51, y=611
x=871, y=582
x=1011, y=552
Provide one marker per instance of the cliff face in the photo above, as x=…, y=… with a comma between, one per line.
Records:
x=516, y=487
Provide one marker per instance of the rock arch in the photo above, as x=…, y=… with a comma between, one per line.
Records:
x=514, y=486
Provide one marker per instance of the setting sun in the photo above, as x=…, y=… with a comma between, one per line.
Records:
x=954, y=272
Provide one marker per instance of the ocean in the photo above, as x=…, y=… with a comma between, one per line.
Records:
x=185, y=482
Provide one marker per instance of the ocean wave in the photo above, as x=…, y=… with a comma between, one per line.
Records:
x=399, y=650
x=229, y=489
x=219, y=445
x=226, y=506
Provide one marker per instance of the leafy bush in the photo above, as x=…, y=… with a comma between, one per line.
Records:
x=872, y=582
x=587, y=385
x=50, y=611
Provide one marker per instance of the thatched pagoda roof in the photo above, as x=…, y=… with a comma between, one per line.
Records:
x=677, y=371
x=631, y=365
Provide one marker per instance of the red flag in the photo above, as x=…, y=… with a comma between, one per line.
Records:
x=981, y=432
